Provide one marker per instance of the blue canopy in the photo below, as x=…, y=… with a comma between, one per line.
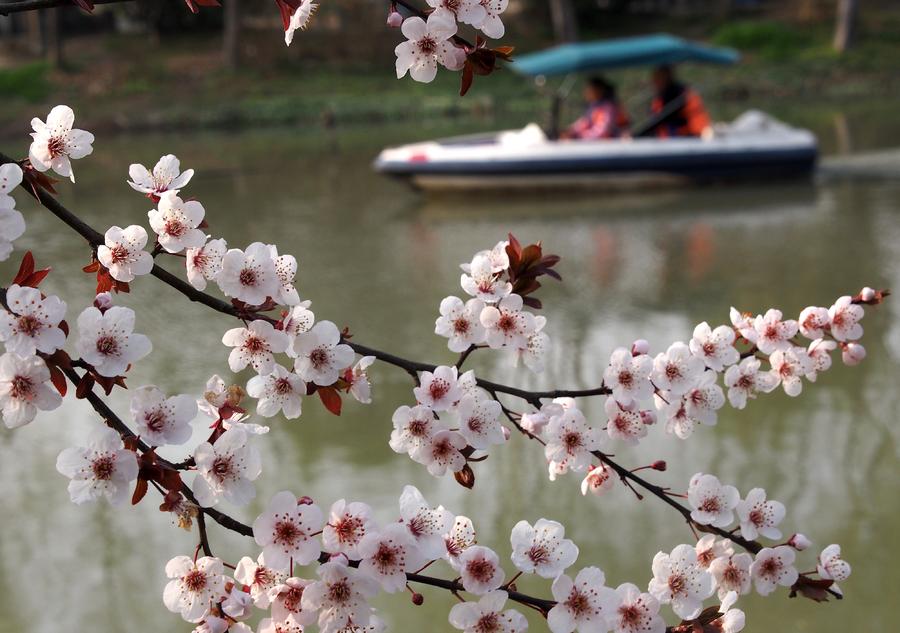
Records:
x=648, y=50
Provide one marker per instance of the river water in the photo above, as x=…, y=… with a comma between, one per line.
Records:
x=377, y=258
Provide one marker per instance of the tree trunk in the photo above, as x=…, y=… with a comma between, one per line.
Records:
x=562, y=14
x=845, y=25
x=231, y=34
x=54, y=38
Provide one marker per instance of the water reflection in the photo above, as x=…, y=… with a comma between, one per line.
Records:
x=378, y=259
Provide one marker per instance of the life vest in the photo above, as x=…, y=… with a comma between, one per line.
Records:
x=604, y=119
x=690, y=120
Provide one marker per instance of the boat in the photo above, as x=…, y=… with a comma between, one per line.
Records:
x=754, y=146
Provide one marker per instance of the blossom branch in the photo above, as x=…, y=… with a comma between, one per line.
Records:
x=6, y=8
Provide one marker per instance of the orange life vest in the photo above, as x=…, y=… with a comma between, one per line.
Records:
x=690, y=120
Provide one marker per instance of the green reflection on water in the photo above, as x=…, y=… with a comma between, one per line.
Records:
x=378, y=259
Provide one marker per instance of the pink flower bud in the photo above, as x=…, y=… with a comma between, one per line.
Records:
x=103, y=301
x=659, y=465
x=305, y=501
x=799, y=542
x=418, y=599
x=853, y=353
x=639, y=347
x=394, y=20
x=648, y=417
x=506, y=433
x=867, y=294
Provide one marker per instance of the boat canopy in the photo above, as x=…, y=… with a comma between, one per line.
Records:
x=647, y=50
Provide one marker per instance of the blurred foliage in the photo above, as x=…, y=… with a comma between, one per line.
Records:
x=773, y=41
x=28, y=81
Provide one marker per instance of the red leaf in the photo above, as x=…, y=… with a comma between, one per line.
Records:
x=465, y=477
x=25, y=268
x=170, y=479
x=34, y=280
x=64, y=327
x=84, y=386
x=331, y=399
x=140, y=489
x=192, y=4
x=466, y=80
x=58, y=379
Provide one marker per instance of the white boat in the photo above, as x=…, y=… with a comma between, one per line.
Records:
x=754, y=146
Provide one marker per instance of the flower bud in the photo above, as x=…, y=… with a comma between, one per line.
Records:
x=659, y=465
x=394, y=19
x=867, y=294
x=640, y=346
x=853, y=353
x=799, y=542
x=648, y=417
x=418, y=599
x=103, y=301
x=305, y=501
x=506, y=433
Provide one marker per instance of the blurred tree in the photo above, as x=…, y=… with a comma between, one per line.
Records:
x=231, y=32
x=845, y=26
x=562, y=14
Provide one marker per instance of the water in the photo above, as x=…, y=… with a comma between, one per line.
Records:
x=378, y=259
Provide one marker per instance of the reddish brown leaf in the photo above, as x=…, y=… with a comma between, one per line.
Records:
x=465, y=477
x=26, y=267
x=58, y=379
x=34, y=280
x=331, y=399
x=170, y=479
x=140, y=489
x=84, y=386
x=87, y=5
x=811, y=588
x=466, y=79
x=64, y=327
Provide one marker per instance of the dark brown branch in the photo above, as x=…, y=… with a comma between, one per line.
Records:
x=33, y=5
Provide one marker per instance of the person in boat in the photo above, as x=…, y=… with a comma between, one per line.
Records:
x=690, y=118
x=604, y=116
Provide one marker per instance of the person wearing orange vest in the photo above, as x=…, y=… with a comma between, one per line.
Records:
x=604, y=116
x=690, y=119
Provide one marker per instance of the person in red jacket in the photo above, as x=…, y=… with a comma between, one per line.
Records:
x=604, y=116
x=690, y=118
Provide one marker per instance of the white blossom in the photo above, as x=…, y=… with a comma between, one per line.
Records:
x=676, y=370
x=279, y=390
x=204, y=263
x=570, y=440
x=487, y=615
x=321, y=357
x=299, y=19
x=744, y=324
x=598, y=480
x=845, y=316
x=542, y=549
x=628, y=376
x=624, y=424
x=175, y=222
x=492, y=26
x=585, y=603
x=438, y=389
x=460, y=537
x=358, y=380
x=744, y=381
x=819, y=352
x=710, y=547
x=715, y=347
x=813, y=322
x=160, y=420
x=536, y=347
x=442, y=452
x=249, y=275
x=286, y=530
x=479, y=422
x=194, y=586
x=732, y=573
x=705, y=399
x=465, y=11
x=759, y=516
x=101, y=468
x=32, y=324
x=413, y=428
x=428, y=44
x=226, y=469
x=347, y=524
x=340, y=597
x=712, y=503
x=773, y=566
x=387, y=554
x=56, y=142
x=107, y=340
x=831, y=566
x=427, y=525
x=260, y=577
x=123, y=254
x=482, y=281
x=679, y=580
x=287, y=603
x=12, y=223
x=480, y=570
x=286, y=271
x=25, y=389
x=460, y=323
x=636, y=612
x=773, y=333
x=255, y=345
x=166, y=176
x=507, y=325
x=789, y=366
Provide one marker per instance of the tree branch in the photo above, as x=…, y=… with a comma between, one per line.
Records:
x=6, y=8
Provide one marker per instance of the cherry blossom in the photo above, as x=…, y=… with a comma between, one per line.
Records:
x=101, y=468
x=298, y=320
x=845, y=316
x=789, y=366
x=166, y=176
x=709, y=548
x=460, y=323
x=286, y=530
x=636, y=612
x=831, y=566
x=226, y=469
x=507, y=324
x=249, y=275
x=819, y=352
x=56, y=142
x=340, y=597
x=442, y=452
x=465, y=11
x=773, y=566
x=387, y=554
x=624, y=424
x=427, y=525
x=542, y=549
x=460, y=537
x=413, y=428
x=705, y=399
x=715, y=347
x=536, y=347
x=260, y=577
x=744, y=324
x=286, y=271
x=677, y=370
x=321, y=357
x=584, y=603
x=679, y=580
x=194, y=586
x=852, y=353
x=712, y=503
x=732, y=573
x=299, y=19
x=279, y=390
x=238, y=605
x=744, y=381
x=160, y=420
x=570, y=440
x=25, y=389
x=799, y=542
x=628, y=376
x=438, y=389
x=758, y=516
x=347, y=524
x=175, y=223
x=773, y=333
x=12, y=223
x=107, y=340
x=481, y=280
x=428, y=44
x=255, y=345
x=813, y=322
x=269, y=625
x=358, y=380
x=32, y=324
x=123, y=254
x=480, y=571
x=287, y=603
x=599, y=479
x=10, y=178
x=204, y=263
x=479, y=421
x=487, y=615
x=497, y=256
x=732, y=620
